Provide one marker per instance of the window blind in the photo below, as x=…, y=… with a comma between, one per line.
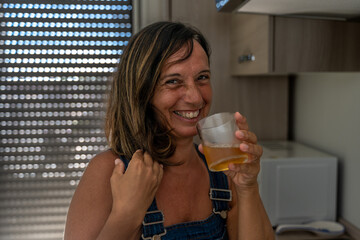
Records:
x=56, y=59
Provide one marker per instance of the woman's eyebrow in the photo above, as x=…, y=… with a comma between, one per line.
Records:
x=178, y=74
x=171, y=75
x=205, y=71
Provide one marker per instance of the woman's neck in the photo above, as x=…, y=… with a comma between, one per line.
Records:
x=185, y=154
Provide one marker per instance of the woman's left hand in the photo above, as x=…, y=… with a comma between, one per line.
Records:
x=244, y=175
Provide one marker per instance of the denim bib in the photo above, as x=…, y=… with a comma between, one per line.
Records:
x=213, y=227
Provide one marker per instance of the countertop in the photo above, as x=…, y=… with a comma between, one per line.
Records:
x=300, y=235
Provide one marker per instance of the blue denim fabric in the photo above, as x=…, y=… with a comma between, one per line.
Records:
x=212, y=228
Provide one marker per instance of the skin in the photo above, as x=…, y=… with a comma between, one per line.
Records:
x=111, y=204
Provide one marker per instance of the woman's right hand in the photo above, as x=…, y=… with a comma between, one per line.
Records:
x=133, y=190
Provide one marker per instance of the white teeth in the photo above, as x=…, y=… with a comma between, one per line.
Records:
x=188, y=115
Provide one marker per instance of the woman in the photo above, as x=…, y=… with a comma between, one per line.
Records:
x=154, y=182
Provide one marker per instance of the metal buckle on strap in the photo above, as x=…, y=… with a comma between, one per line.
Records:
x=155, y=237
x=151, y=223
x=145, y=224
x=220, y=190
x=222, y=213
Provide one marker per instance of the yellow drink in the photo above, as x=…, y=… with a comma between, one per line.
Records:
x=218, y=157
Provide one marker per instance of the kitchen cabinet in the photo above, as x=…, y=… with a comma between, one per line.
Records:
x=264, y=44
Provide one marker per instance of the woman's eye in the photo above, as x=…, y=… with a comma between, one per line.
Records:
x=172, y=81
x=204, y=77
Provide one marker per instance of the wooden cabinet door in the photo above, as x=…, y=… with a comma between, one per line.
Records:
x=313, y=45
x=250, y=36
x=283, y=45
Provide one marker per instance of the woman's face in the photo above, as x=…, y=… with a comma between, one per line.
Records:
x=183, y=94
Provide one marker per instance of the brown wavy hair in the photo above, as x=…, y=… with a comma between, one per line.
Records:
x=131, y=121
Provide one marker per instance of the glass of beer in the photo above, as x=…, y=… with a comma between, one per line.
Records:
x=221, y=147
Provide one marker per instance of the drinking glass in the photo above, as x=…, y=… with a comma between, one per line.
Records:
x=221, y=147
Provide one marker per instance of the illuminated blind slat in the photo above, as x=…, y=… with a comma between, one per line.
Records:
x=56, y=60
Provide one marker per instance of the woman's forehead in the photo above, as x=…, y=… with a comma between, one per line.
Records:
x=184, y=53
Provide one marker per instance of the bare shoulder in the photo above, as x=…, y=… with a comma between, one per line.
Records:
x=92, y=200
x=98, y=172
x=103, y=159
x=99, y=167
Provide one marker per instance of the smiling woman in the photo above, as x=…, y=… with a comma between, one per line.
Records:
x=183, y=95
x=150, y=66
x=154, y=182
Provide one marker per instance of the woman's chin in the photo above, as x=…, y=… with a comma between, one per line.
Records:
x=186, y=133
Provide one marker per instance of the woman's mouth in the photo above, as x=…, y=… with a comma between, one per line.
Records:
x=187, y=114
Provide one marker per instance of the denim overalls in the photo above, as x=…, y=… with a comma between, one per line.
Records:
x=214, y=227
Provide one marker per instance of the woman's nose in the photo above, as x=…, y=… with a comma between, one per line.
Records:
x=193, y=94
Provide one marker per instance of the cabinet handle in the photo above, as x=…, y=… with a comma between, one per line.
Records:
x=246, y=58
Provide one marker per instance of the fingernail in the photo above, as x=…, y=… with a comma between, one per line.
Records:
x=117, y=161
x=231, y=166
x=245, y=146
x=241, y=134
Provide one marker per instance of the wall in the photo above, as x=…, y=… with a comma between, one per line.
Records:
x=326, y=108
x=149, y=11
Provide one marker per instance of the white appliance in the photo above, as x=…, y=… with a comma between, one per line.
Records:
x=297, y=184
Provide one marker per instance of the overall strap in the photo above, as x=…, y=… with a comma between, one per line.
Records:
x=220, y=194
x=125, y=161
x=153, y=227
x=153, y=224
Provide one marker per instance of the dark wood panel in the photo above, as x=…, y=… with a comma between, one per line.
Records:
x=308, y=45
x=264, y=101
x=250, y=35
